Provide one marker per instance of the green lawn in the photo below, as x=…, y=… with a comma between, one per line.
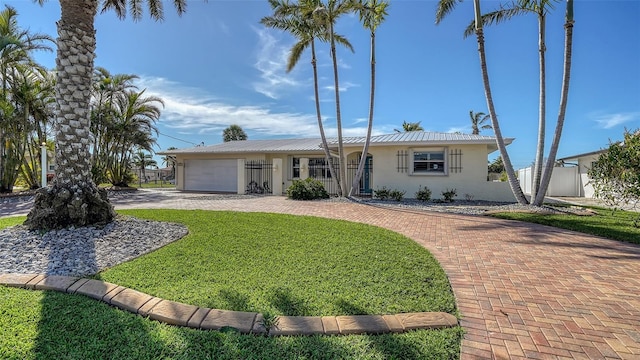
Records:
x=274, y=264
x=616, y=225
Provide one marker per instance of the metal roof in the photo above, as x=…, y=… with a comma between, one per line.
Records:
x=419, y=138
x=573, y=157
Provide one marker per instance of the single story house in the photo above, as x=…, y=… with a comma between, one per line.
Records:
x=570, y=176
x=404, y=161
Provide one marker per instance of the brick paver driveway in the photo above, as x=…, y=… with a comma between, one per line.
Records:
x=523, y=290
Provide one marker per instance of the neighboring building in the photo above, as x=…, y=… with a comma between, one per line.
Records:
x=570, y=176
x=403, y=161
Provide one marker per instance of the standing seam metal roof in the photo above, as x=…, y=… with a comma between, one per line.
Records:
x=314, y=144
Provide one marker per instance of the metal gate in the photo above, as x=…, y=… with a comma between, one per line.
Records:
x=258, y=177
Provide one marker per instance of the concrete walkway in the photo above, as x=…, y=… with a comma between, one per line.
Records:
x=523, y=290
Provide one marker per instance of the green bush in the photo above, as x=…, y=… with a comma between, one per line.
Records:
x=449, y=194
x=386, y=194
x=423, y=194
x=308, y=189
x=382, y=194
x=396, y=194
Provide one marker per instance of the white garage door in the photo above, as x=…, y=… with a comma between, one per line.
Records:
x=211, y=175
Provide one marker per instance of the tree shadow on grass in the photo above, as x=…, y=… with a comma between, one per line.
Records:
x=283, y=300
x=235, y=300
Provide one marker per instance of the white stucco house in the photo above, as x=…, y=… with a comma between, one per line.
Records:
x=403, y=161
x=570, y=176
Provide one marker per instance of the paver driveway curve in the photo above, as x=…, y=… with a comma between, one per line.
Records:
x=523, y=290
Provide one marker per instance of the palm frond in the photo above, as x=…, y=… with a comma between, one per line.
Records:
x=135, y=8
x=496, y=17
x=343, y=41
x=444, y=8
x=295, y=53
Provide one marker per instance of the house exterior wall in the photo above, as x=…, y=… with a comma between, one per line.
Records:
x=470, y=179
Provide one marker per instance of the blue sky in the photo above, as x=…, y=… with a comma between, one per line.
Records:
x=217, y=65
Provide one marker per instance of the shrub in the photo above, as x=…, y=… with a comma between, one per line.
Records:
x=449, y=194
x=396, y=194
x=382, y=194
x=423, y=194
x=308, y=189
x=469, y=197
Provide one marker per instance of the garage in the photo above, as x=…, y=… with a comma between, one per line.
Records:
x=220, y=175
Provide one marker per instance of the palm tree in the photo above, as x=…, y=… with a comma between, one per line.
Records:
x=233, y=133
x=74, y=199
x=32, y=91
x=443, y=9
x=16, y=46
x=106, y=88
x=134, y=123
x=170, y=160
x=143, y=160
x=540, y=8
x=298, y=20
x=477, y=121
x=372, y=14
x=548, y=169
x=410, y=126
x=327, y=15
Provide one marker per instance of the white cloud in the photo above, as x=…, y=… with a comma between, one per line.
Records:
x=462, y=129
x=607, y=121
x=193, y=111
x=344, y=86
x=272, y=64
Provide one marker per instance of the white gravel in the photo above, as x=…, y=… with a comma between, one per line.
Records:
x=82, y=251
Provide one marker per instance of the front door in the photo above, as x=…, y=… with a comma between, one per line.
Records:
x=365, y=180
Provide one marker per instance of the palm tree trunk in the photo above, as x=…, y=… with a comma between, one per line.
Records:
x=73, y=200
x=537, y=173
x=365, y=149
x=548, y=169
x=341, y=156
x=513, y=181
x=325, y=145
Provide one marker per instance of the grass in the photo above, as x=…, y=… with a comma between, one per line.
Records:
x=615, y=225
x=276, y=264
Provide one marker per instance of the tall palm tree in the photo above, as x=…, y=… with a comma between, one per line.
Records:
x=74, y=199
x=372, y=13
x=327, y=15
x=551, y=159
x=298, y=20
x=477, y=121
x=540, y=8
x=443, y=9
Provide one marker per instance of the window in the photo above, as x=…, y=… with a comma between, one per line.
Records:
x=295, y=168
x=429, y=162
x=319, y=169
